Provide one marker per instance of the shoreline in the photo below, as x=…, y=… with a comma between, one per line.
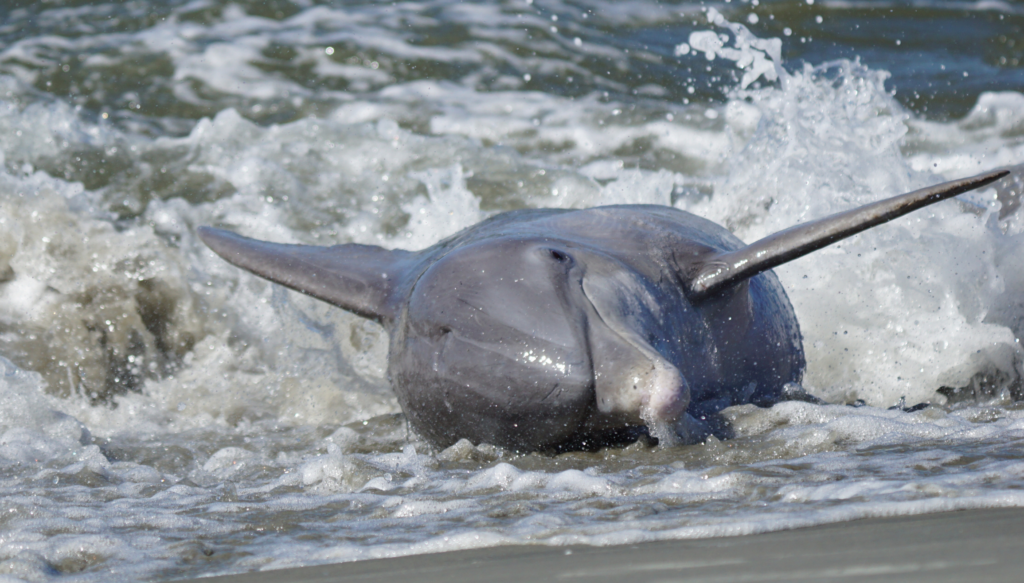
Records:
x=949, y=546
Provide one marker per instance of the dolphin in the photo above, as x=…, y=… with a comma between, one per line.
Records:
x=555, y=329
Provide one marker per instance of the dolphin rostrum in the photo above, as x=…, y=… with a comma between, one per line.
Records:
x=554, y=329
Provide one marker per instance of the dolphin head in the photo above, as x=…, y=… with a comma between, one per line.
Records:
x=536, y=341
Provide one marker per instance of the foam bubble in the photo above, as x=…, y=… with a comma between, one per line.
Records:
x=32, y=426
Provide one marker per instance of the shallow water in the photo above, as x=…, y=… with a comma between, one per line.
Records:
x=164, y=415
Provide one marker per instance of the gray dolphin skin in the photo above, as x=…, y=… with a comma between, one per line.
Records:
x=560, y=329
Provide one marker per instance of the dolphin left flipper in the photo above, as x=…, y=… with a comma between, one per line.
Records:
x=721, y=270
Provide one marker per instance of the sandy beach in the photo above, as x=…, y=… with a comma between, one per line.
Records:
x=981, y=545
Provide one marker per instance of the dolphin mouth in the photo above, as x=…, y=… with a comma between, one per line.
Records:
x=631, y=378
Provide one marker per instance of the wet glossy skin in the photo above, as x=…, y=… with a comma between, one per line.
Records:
x=530, y=341
x=547, y=329
x=553, y=329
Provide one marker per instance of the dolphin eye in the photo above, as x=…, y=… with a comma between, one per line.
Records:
x=560, y=256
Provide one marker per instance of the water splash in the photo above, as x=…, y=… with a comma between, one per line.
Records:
x=900, y=310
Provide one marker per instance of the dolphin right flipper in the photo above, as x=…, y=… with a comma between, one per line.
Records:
x=362, y=279
x=721, y=270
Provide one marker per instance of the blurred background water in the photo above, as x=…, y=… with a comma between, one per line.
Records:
x=163, y=415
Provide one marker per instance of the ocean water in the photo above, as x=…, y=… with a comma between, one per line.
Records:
x=164, y=415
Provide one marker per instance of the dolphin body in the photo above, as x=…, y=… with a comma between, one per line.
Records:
x=557, y=329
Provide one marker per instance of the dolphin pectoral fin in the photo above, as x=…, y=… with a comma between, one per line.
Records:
x=362, y=279
x=721, y=270
x=631, y=379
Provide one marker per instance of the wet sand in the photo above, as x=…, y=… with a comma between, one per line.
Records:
x=985, y=545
